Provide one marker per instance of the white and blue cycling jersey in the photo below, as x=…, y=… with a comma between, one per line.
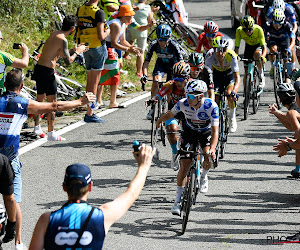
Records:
x=289, y=14
x=200, y=119
x=13, y=113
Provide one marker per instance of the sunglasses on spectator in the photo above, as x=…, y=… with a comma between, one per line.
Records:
x=192, y=96
x=161, y=39
x=213, y=35
x=220, y=49
x=179, y=79
x=247, y=30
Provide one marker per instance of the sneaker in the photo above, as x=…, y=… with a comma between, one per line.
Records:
x=124, y=72
x=204, y=184
x=176, y=208
x=149, y=115
x=120, y=93
x=295, y=174
x=21, y=247
x=272, y=72
x=295, y=237
x=262, y=81
x=93, y=118
x=52, y=136
x=130, y=85
x=125, y=85
x=175, y=162
x=38, y=131
x=232, y=125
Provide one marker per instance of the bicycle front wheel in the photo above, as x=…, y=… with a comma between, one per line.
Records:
x=163, y=110
x=224, y=133
x=255, y=91
x=247, y=90
x=277, y=80
x=154, y=129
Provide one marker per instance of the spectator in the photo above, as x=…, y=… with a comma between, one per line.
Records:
x=78, y=184
x=55, y=47
x=143, y=16
x=9, y=60
x=89, y=14
x=290, y=120
x=2, y=223
x=7, y=190
x=15, y=109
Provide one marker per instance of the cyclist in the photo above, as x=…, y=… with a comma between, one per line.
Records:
x=201, y=72
x=289, y=13
x=201, y=125
x=175, y=90
x=279, y=33
x=211, y=30
x=224, y=64
x=254, y=37
x=168, y=53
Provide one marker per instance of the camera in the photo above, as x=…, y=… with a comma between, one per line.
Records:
x=16, y=45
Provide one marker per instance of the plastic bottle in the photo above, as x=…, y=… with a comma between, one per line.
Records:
x=93, y=105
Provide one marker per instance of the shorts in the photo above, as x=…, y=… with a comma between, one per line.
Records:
x=222, y=80
x=162, y=70
x=17, y=166
x=282, y=44
x=7, y=176
x=45, y=80
x=176, y=119
x=95, y=58
x=190, y=139
x=249, y=51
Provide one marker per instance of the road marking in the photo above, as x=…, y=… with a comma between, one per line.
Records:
x=78, y=124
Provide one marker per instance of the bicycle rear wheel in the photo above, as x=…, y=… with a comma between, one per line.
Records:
x=216, y=161
x=277, y=80
x=247, y=91
x=224, y=133
x=187, y=201
x=163, y=109
x=255, y=90
x=154, y=129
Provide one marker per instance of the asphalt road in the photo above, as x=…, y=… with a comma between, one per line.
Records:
x=250, y=203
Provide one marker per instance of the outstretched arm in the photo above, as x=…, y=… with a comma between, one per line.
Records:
x=115, y=209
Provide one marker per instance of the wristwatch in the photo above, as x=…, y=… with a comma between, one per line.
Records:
x=288, y=147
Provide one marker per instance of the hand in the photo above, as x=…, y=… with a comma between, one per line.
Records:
x=234, y=95
x=152, y=23
x=289, y=52
x=273, y=109
x=155, y=8
x=88, y=97
x=23, y=47
x=80, y=48
x=297, y=134
x=144, y=79
x=144, y=157
x=149, y=102
x=263, y=59
x=158, y=123
x=212, y=153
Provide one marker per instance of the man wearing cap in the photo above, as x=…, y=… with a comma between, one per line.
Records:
x=55, y=229
x=14, y=111
x=7, y=190
x=7, y=59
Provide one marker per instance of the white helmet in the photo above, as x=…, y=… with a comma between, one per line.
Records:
x=278, y=4
x=2, y=214
x=195, y=86
x=279, y=16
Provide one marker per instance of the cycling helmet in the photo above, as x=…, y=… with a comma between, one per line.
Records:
x=279, y=16
x=286, y=92
x=195, y=86
x=278, y=4
x=220, y=42
x=181, y=69
x=247, y=22
x=2, y=214
x=163, y=31
x=196, y=59
x=211, y=27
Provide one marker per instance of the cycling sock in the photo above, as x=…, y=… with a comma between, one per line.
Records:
x=204, y=173
x=297, y=168
x=174, y=148
x=38, y=131
x=293, y=66
x=52, y=136
x=232, y=113
x=178, y=193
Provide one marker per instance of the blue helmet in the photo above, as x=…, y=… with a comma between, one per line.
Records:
x=163, y=31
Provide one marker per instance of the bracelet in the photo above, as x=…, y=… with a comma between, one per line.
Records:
x=288, y=147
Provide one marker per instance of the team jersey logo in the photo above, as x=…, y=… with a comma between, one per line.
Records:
x=63, y=238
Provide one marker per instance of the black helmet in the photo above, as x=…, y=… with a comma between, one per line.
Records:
x=286, y=93
x=196, y=59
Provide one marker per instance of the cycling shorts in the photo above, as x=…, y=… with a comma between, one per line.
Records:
x=190, y=139
x=161, y=70
x=95, y=58
x=222, y=80
x=249, y=52
x=6, y=176
x=282, y=44
x=45, y=80
x=176, y=119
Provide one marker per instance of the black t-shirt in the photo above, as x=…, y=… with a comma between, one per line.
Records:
x=7, y=176
x=206, y=76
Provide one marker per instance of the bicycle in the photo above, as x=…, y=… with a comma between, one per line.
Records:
x=61, y=14
x=251, y=89
x=158, y=109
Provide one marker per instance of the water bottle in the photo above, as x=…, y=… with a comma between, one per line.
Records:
x=93, y=105
x=137, y=147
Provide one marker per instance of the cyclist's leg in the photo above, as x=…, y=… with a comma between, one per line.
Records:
x=171, y=126
x=204, y=139
x=158, y=73
x=273, y=49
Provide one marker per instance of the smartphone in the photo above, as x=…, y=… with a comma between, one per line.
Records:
x=16, y=45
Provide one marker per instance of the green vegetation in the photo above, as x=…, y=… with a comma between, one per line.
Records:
x=32, y=21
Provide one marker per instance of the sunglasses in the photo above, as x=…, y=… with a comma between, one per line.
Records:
x=277, y=23
x=179, y=79
x=220, y=49
x=195, y=68
x=163, y=39
x=213, y=35
x=247, y=30
x=192, y=96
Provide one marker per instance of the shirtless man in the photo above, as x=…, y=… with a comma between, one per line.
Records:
x=55, y=47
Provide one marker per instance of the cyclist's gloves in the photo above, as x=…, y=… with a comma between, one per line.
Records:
x=263, y=59
x=234, y=95
x=10, y=231
x=289, y=52
x=144, y=79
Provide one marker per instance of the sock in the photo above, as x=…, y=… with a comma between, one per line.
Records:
x=178, y=193
x=38, y=130
x=204, y=173
x=297, y=168
x=174, y=148
x=232, y=113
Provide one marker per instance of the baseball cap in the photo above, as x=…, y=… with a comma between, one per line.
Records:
x=79, y=172
x=125, y=10
x=297, y=87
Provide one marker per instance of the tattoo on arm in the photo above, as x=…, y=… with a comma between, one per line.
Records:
x=66, y=52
